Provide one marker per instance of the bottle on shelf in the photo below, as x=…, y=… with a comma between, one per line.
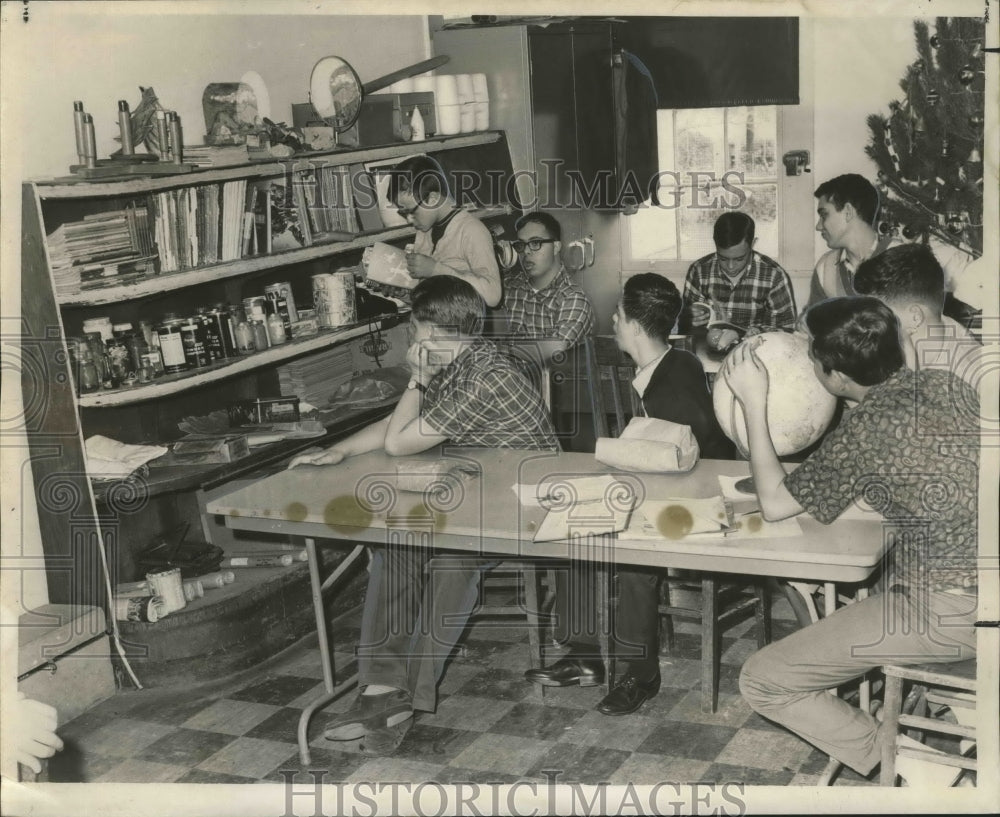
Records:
x=275, y=329
x=261, y=341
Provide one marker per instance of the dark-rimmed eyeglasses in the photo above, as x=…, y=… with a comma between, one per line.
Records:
x=533, y=244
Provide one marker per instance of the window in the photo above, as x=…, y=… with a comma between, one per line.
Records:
x=711, y=160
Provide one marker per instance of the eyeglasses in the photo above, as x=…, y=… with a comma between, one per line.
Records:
x=533, y=244
x=407, y=212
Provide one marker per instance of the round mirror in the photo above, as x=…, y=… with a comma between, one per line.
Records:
x=336, y=92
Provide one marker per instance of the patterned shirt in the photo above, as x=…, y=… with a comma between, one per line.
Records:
x=760, y=300
x=560, y=310
x=482, y=399
x=910, y=449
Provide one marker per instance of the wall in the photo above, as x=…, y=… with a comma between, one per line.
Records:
x=857, y=64
x=103, y=52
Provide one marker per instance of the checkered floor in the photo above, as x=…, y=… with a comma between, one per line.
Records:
x=490, y=726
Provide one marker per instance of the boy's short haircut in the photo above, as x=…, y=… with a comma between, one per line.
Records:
x=420, y=175
x=548, y=221
x=906, y=273
x=450, y=303
x=732, y=228
x=654, y=302
x=853, y=189
x=858, y=336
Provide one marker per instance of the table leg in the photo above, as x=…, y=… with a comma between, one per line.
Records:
x=324, y=651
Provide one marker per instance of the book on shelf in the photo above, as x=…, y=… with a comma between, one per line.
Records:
x=365, y=199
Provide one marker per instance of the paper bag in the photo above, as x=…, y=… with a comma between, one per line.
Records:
x=386, y=264
x=650, y=445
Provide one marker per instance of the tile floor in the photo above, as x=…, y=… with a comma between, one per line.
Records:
x=490, y=726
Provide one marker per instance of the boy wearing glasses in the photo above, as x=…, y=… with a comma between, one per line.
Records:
x=449, y=240
x=541, y=300
x=745, y=291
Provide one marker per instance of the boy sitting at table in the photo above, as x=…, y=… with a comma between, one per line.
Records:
x=672, y=386
x=909, y=446
x=464, y=390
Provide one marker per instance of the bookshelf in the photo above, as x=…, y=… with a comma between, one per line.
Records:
x=154, y=245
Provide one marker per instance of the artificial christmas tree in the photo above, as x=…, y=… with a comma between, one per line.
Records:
x=929, y=150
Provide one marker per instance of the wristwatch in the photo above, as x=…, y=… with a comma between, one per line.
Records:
x=415, y=384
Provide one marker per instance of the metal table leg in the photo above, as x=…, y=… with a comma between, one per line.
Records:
x=331, y=692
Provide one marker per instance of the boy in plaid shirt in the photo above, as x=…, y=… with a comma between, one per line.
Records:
x=742, y=288
x=466, y=391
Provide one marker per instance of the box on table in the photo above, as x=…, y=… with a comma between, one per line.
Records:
x=262, y=411
x=228, y=449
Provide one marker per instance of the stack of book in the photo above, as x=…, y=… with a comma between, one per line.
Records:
x=102, y=248
x=314, y=379
x=216, y=155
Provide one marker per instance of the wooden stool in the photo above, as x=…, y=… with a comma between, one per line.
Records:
x=952, y=685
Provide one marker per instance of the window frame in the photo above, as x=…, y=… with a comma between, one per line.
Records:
x=674, y=267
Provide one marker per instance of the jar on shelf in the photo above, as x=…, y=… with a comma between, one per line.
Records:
x=100, y=325
x=99, y=357
x=275, y=329
x=244, y=338
x=119, y=358
x=261, y=341
x=122, y=331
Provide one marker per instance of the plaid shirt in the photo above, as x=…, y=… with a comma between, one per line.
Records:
x=760, y=300
x=561, y=310
x=482, y=399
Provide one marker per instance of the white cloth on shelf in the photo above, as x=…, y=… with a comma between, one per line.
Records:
x=111, y=459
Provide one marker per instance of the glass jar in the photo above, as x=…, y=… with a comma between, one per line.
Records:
x=275, y=329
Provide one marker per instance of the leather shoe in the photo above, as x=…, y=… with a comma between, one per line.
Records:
x=567, y=672
x=369, y=713
x=628, y=695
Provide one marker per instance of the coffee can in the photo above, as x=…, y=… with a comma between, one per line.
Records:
x=193, y=339
x=172, y=346
x=333, y=298
x=283, y=289
x=215, y=344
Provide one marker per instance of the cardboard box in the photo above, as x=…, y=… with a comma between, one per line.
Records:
x=263, y=411
x=229, y=449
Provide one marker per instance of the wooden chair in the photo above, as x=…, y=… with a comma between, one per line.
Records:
x=529, y=588
x=951, y=686
x=720, y=601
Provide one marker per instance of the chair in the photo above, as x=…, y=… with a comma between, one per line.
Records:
x=944, y=686
x=720, y=601
x=521, y=576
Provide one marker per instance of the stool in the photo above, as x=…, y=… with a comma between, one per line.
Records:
x=952, y=685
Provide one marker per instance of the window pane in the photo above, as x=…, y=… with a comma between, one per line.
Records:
x=653, y=232
x=697, y=223
x=698, y=140
x=752, y=138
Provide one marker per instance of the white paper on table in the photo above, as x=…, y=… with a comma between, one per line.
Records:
x=580, y=489
x=677, y=517
x=591, y=505
x=728, y=486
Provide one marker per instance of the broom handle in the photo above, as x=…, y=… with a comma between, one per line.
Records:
x=403, y=73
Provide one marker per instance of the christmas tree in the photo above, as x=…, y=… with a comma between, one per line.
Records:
x=929, y=150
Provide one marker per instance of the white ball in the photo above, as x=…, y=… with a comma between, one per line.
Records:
x=799, y=409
